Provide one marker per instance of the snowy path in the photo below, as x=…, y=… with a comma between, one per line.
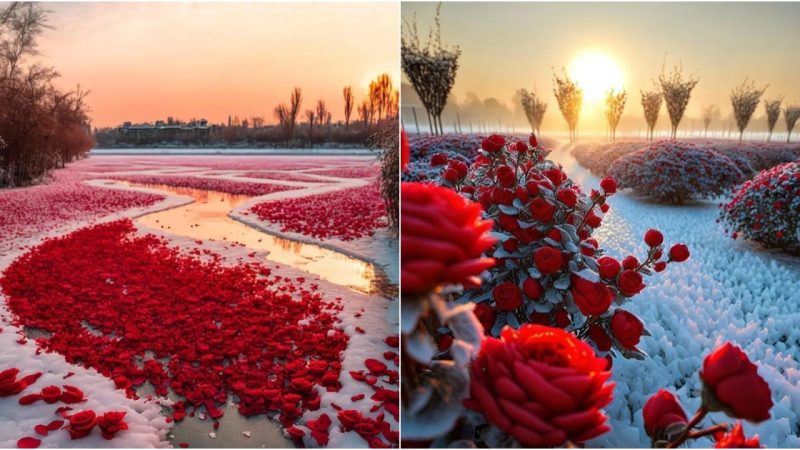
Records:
x=728, y=290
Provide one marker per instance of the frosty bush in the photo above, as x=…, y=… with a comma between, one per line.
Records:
x=766, y=209
x=758, y=155
x=674, y=172
x=598, y=158
x=744, y=99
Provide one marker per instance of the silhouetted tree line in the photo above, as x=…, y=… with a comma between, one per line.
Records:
x=41, y=127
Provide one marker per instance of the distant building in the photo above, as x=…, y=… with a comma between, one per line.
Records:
x=170, y=131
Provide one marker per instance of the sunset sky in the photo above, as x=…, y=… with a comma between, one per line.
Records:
x=506, y=46
x=146, y=61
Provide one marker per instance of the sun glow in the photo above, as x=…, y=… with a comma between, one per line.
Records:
x=596, y=74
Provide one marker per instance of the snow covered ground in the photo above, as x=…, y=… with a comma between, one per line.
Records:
x=727, y=291
x=367, y=319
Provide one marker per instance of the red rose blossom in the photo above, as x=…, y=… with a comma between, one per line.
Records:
x=627, y=328
x=506, y=176
x=591, y=298
x=541, y=385
x=608, y=267
x=485, y=315
x=532, y=288
x=679, y=252
x=731, y=383
x=507, y=296
x=548, y=260
x=609, y=185
x=630, y=283
x=111, y=423
x=81, y=424
x=532, y=140
x=653, y=238
x=443, y=237
x=600, y=337
x=438, y=159
x=664, y=417
x=493, y=143
x=567, y=197
x=542, y=210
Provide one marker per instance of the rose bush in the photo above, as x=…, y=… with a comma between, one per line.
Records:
x=766, y=209
x=598, y=156
x=675, y=172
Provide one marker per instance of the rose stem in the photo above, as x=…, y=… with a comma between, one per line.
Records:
x=701, y=412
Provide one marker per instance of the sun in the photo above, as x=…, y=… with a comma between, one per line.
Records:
x=596, y=74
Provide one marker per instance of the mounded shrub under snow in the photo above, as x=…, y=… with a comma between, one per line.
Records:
x=767, y=208
x=598, y=157
x=760, y=155
x=674, y=172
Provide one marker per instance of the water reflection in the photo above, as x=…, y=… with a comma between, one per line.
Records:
x=207, y=219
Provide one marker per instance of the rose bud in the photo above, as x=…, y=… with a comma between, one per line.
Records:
x=664, y=417
x=542, y=210
x=485, y=315
x=450, y=175
x=627, y=328
x=554, y=234
x=493, y=143
x=511, y=245
x=533, y=188
x=630, y=262
x=609, y=185
x=679, y=253
x=567, y=197
x=593, y=220
x=660, y=266
x=653, y=238
x=532, y=288
x=608, y=267
x=731, y=383
x=604, y=207
x=630, y=283
x=506, y=176
x=549, y=377
x=521, y=147
x=591, y=298
x=561, y=318
x=532, y=140
x=507, y=296
x=736, y=439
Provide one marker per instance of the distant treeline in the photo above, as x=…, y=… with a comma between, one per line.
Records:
x=41, y=127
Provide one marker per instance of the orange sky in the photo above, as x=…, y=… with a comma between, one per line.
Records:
x=145, y=61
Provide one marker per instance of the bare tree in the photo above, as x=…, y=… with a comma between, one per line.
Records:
x=709, y=112
x=431, y=68
x=570, y=100
x=322, y=112
x=773, y=108
x=310, y=118
x=364, y=113
x=790, y=113
x=287, y=114
x=651, y=103
x=349, y=100
x=381, y=93
x=257, y=121
x=534, y=109
x=677, y=92
x=745, y=99
x=615, y=104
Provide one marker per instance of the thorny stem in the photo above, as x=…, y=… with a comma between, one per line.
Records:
x=709, y=431
x=698, y=416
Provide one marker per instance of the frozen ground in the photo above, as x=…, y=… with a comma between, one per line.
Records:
x=367, y=318
x=727, y=291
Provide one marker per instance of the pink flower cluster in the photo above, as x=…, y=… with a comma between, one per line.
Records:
x=197, y=327
x=344, y=214
x=766, y=209
x=28, y=212
x=211, y=184
x=675, y=172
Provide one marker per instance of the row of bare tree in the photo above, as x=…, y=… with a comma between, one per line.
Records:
x=381, y=103
x=41, y=127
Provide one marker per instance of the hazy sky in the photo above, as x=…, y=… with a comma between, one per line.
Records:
x=506, y=46
x=145, y=61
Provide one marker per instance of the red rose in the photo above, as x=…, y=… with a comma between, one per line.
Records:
x=532, y=140
x=450, y=175
x=485, y=315
x=736, y=439
x=349, y=418
x=438, y=159
x=653, y=238
x=561, y=318
x=460, y=167
x=111, y=423
x=567, y=197
x=591, y=298
x=81, y=424
x=609, y=185
x=51, y=394
x=511, y=245
x=627, y=328
x=664, y=417
x=508, y=223
x=608, y=267
x=731, y=383
x=533, y=188
x=532, y=288
x=506, y=176
x=543, y=376
x=593, y=220
x=521, y=146
x=555, y=175
x=679, y=253
x=548, y=260
x=554, y=234
x=522, y=194
x=493, y=143
x=630, y=283
x=9, y=385
x=443, y=237
x=542, y=210
x=600, y=337
x=503, y=196
x=660, y=266
x=507, y=296
x=630, y=262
